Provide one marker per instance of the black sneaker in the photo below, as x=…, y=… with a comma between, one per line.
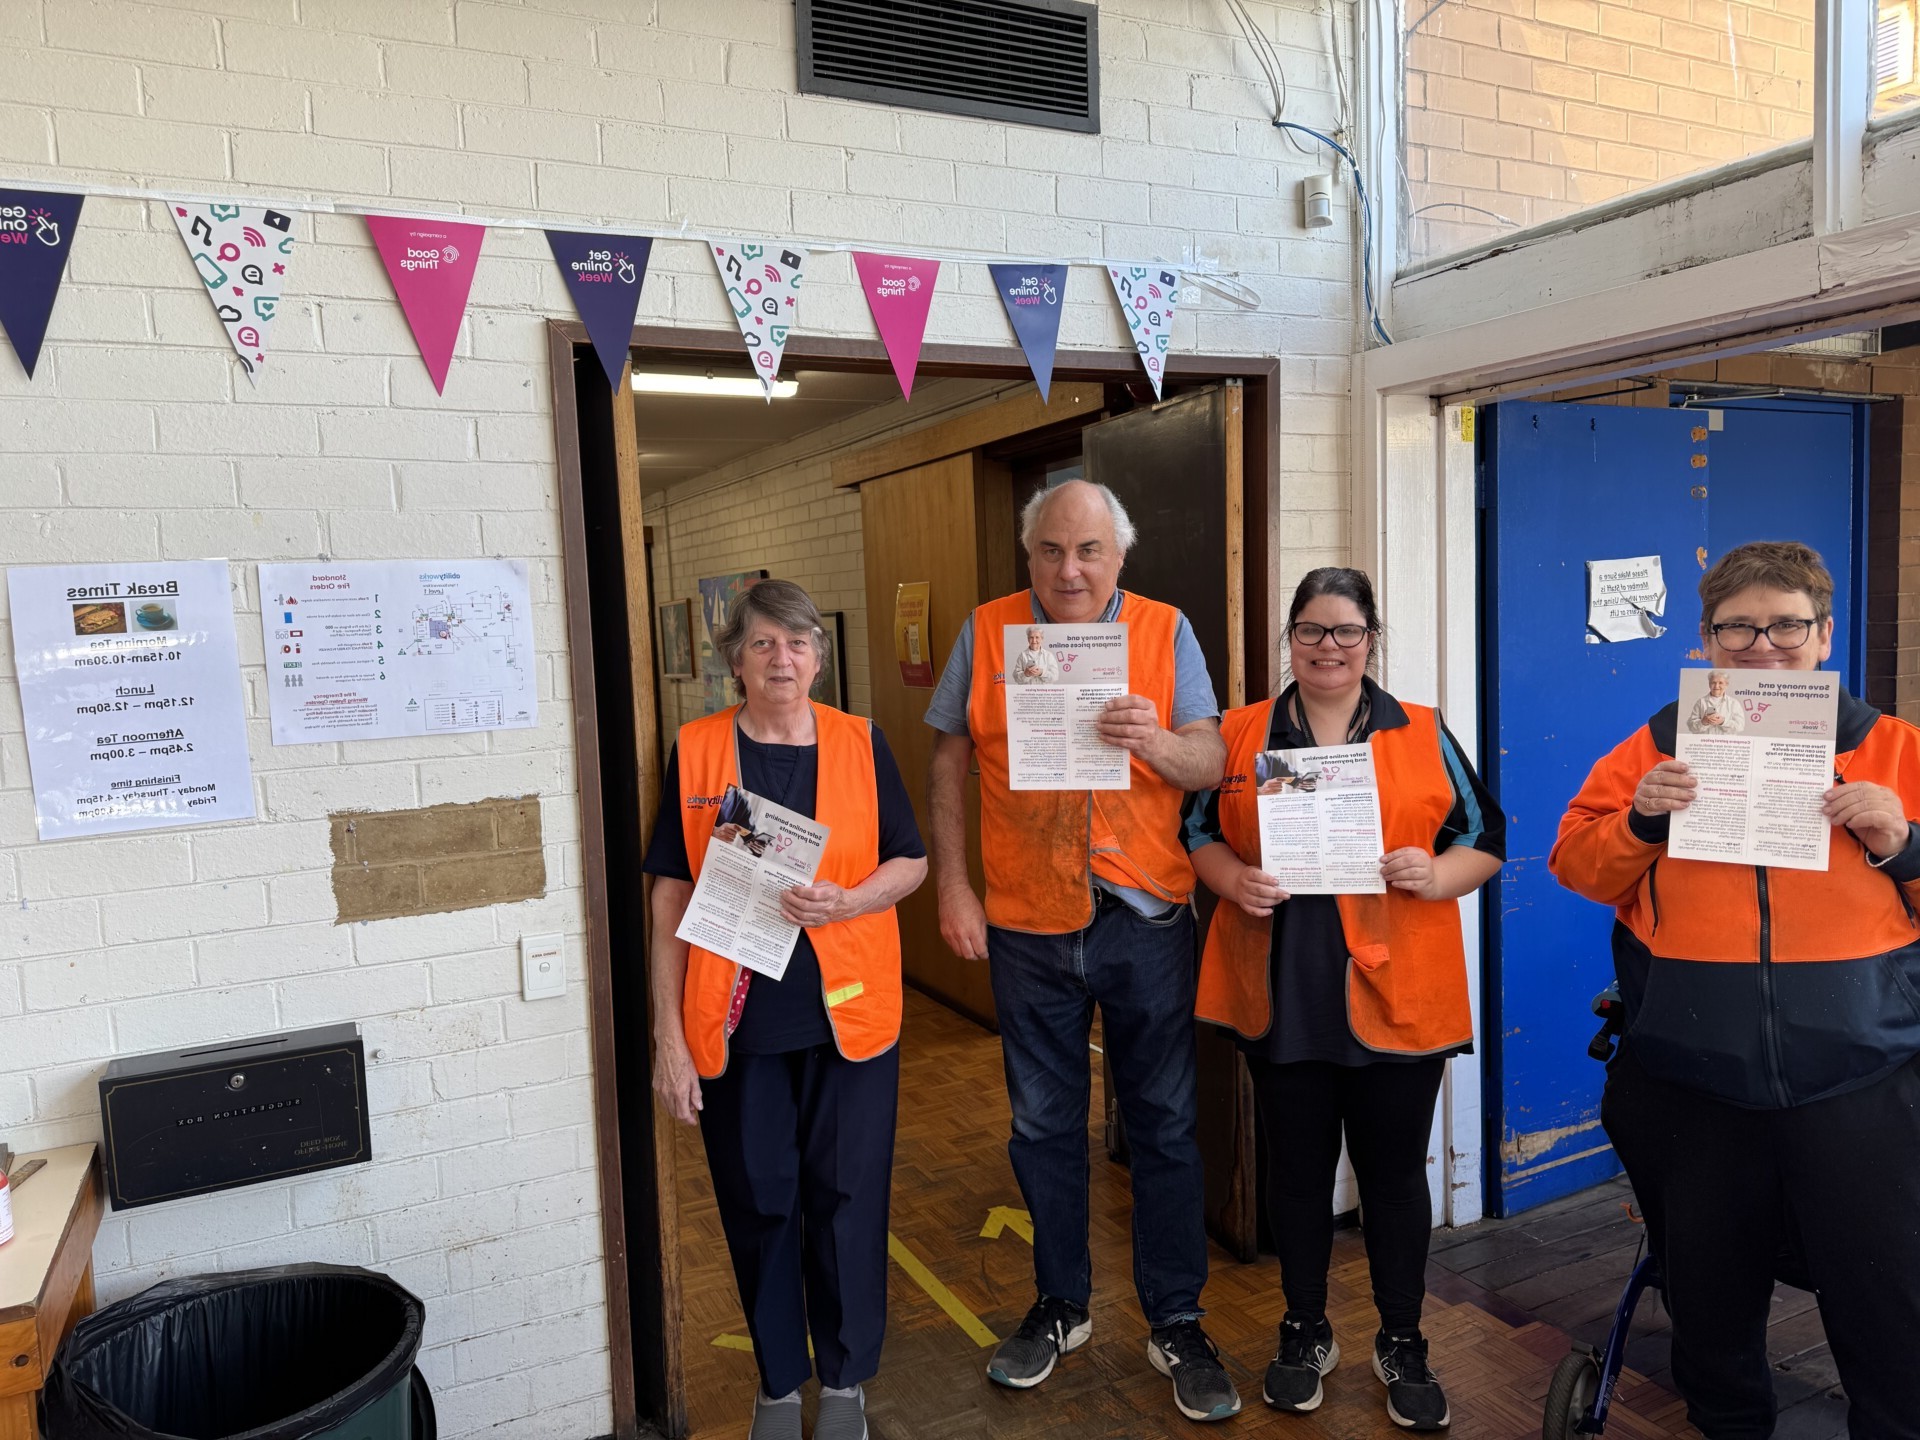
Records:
x=1052, y=1328
x=1201, y=1386
x=1307, y=1351
x=1414, y=1398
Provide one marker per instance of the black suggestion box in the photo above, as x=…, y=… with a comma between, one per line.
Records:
x=186, y=1122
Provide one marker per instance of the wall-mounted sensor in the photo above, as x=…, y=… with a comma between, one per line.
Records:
x=1316, y=201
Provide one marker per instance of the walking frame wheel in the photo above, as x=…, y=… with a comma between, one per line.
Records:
x=1570, y=1398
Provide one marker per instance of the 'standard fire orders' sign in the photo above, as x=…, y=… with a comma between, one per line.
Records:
x=130, y=683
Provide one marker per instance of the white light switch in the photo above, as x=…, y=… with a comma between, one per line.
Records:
x=543, y=967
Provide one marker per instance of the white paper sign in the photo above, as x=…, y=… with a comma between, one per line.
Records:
x=759, y=851
x=1623, y=597
x=1059, y=678
x=1761, y=743
x=362, y=649
x=1320, y=830
x=130, y=682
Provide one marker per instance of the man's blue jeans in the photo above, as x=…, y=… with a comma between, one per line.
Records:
x=1141, y=974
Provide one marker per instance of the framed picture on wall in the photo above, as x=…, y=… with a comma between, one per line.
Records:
x=676, y=640
x=830, y=685
x=717, y=594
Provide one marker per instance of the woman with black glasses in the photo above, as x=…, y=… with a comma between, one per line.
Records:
x=1766, y=1095
x=1347, y=1006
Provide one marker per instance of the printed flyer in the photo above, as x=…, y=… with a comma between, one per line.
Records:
x=1320, y=830
x=1761, y=743
x=758, y=852
x=130, y=684
x=1059, y=678
x=365, y=650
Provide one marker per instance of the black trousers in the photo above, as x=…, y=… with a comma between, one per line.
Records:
x=1386, y=1111
x=801, y=1150
x=1726, y=1189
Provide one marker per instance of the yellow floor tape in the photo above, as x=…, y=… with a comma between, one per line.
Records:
x=923, y=1277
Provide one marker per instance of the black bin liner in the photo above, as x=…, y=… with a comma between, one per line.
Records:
x=279, y=1354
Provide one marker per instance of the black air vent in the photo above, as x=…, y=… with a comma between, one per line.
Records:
x=1033, y=62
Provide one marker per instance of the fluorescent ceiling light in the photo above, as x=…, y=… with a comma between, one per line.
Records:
x=740, y=386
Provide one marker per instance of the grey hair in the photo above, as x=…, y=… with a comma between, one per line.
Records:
x=1724, y=675
x=780, y=602
x=1030, y=513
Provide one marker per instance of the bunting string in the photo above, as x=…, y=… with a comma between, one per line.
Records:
x=1224, y=283
x=242, y=247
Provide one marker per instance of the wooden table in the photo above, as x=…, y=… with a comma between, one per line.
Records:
x=46, y=1276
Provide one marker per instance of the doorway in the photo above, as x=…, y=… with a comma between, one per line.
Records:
x=652, y=1317
x=1673, y=485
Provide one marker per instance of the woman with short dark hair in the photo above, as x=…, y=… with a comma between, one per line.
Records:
x=1347, y=1006
x=1766, y=1092
x=794, y=1082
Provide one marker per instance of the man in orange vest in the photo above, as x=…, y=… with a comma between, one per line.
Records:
x=1087, y=903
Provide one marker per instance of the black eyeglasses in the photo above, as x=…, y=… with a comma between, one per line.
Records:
x=1305, y=632
x=1781, y=634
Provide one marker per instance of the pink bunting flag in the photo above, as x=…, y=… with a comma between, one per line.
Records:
x=430, y=263
x=899, y=292
x=762, y=278
x=1146, y=295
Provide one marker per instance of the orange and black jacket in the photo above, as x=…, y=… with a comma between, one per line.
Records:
x=1763, y=987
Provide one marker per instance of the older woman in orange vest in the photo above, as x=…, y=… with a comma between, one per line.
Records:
x=793, y=1082
x=1347, y=1006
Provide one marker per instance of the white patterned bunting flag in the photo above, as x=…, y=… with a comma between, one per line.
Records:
x=1146, y=294
x=242, y=253
x=762, y=281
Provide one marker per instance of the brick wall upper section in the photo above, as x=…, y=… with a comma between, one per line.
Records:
x=1533, y=109
x=138, y=438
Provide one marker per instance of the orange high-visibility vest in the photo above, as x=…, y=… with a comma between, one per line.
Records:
x=859, y=958
x=1407, y=967
x=1041, y=848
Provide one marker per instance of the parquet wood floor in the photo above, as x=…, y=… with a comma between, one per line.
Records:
x=1565, y=1263
x=950, y=1174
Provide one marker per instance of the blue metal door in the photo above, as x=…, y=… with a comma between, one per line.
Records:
x=1566, y=484
x=1795, y=470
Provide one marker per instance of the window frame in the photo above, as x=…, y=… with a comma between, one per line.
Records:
x=1839, y=146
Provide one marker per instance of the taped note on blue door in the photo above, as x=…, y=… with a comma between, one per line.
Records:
x=1625, y=599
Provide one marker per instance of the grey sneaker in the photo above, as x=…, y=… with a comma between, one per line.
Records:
x=1052, y=1328
x=775, y=1419
x=1201, y=1386
x=1415, y=1400
x=1307, y=1351
x=842, y=1417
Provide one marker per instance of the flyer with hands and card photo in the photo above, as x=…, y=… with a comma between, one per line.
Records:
x=1320, y=831
x=758, y=851
x=1059, y=679
x=1761, y=743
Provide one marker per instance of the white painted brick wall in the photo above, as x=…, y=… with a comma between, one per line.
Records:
x=139, y=438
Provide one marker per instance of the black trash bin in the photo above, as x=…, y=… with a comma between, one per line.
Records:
x=300, y=1352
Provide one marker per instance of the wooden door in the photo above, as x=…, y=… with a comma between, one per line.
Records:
x=1177, y=469
x=943, y=523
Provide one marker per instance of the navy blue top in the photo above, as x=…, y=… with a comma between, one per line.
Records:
x=789, y=1013
x=1307, y=975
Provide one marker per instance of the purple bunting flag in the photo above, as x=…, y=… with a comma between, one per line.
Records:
x=36, y=228
x=604, y=274
x=1032, y=295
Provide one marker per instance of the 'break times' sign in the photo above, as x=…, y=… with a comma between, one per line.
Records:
x=130, y=683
